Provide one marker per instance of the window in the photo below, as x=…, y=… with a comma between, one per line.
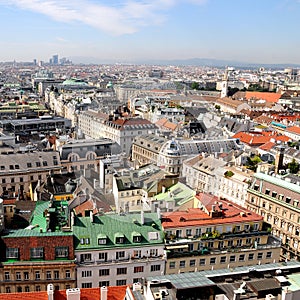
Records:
x=101, y=241
x=121, y=282
x=120, y=240
x=120, y=254
x=137, y=239
x=259, y=255
x=223, y=259
x=38, y=164
x=6, y=276
x=269, y=254
x=230, y=243
x=19, y=289
x=86, y=285
x=7, y=289
x=251, y=256
x=153, y=252
x=61, y=252
x=68, y=274
x=12, y=253
x=274, y=194
x=192, y=262
x=189, y=232
x=85, y=257
x=138, y=269
x=155, y=268
x=242, y=257
x=87, y=273
x=26, y=275
x=212, y=261
x=182, y=264
x=103, y=256
x=84, y=241
x=45, y=164
x=121, y=271
x=37, y=253
x=202, y=262
x=37, y=275
x=103, y=272
x=103, y=283
x=48, y=275
x=27, y=289
x=3, y=180
x=172, y=264
x=29, y=165
x=232, y=258
x=37, y=288
x=56, y=274
x=198, y=231
x=248, y=241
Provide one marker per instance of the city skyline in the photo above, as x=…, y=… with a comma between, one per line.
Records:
x=128, y=31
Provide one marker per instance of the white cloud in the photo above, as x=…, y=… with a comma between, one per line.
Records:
x=117, y=19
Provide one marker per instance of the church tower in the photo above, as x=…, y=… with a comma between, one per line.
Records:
x=224, y=90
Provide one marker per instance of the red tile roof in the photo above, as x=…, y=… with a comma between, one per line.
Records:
x=294, y=129
x=113, y=293
x=231, y=213
x=269, y=97
x=267, y=146
x=260, y=138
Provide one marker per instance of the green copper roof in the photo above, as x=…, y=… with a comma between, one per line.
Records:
x=179, y=192
x=278, y=181
x=117, y=228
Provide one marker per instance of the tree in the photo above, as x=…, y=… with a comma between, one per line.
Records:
x=293, y=166
x=195, y=86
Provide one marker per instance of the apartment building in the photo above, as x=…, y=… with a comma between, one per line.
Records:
x=85, y=154
x=118, y=249
x=18, y=170
x=90, y=122
x=218, y=234
x=169, y=155
x=33, y=257
x=276, y=199
x=123, y=131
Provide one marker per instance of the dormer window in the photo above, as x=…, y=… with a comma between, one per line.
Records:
x=136, y=237
x=119, y=238
x=102, y=239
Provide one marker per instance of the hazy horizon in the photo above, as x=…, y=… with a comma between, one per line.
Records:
x=134, y=30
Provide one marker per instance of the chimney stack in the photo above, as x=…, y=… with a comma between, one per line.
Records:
x=103, y=293
x=50, y=291
x=73, y=294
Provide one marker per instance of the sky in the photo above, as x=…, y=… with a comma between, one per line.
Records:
x=254, y=31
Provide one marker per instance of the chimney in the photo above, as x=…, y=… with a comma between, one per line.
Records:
x=286, y=294
x=142, y=217
x=73, y=294
x=137, y=286
x=103, y=293
x=72, y=218
x=50, y=291
x=236, y=295
x=158, y=213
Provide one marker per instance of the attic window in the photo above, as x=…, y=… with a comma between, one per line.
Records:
x=136, y=237
x=84, y=241
x=102, y=241
x=119, y=238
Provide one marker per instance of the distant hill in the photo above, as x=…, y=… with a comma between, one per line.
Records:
x=209, y=62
